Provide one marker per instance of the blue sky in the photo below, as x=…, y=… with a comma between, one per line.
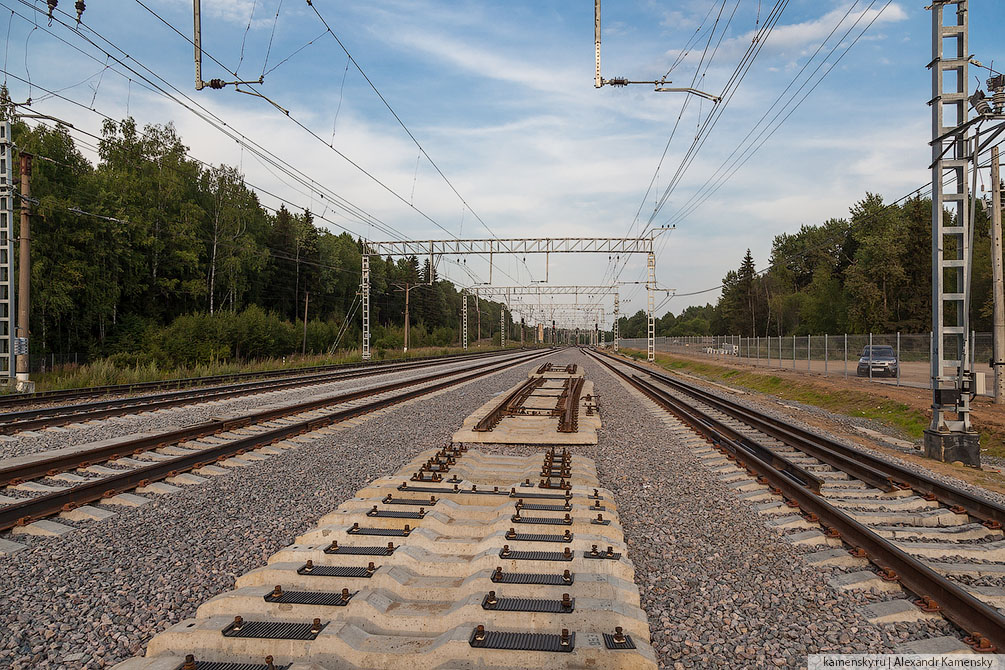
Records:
x=501, y=97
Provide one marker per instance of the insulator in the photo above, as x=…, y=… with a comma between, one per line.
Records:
x=618, y=81
x=216, y=83
x=80, y=7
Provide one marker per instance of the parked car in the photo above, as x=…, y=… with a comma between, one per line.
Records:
x=883, y=359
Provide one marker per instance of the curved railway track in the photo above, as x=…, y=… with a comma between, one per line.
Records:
x=171, y=453
x=59, y=415
x=937, y=541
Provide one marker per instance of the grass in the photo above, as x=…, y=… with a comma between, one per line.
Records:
x=908, y=420
x=104, y=373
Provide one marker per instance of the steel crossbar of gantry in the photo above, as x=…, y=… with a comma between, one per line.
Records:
x=518, y=246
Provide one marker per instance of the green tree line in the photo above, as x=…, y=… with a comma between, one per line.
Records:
x=870, y=272
x=150, y=255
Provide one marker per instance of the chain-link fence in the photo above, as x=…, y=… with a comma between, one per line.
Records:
x=892, y=358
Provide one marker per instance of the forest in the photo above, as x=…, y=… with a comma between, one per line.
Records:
x=149, y=256
x=870, y=272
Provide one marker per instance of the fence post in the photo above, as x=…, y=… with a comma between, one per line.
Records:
x=757, y=350
x=793, y=352
x=809, y=345
x=846, y=355
x=898, y=358
x=870, y=356
x=825, y=354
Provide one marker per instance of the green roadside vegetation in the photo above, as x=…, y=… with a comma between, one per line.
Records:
x=909, y=421
x=107, y=372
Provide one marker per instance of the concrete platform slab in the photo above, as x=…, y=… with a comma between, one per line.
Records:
x=212, y=470
x=186, y=479
x=125, y=500
x=863, y=580
x=69, y=477
x=36, y=487
x=87, y=513
x=835, y=557
x=158, y=487
x=9, y=547
x=947, y=644
x=42, y=528
x=895, y=611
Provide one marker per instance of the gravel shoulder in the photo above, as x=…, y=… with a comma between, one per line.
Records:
x=95, y=597
x=33, y=442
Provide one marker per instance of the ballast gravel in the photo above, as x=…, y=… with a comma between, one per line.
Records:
x=31, y=442
x=719, y=587
x=95, y=596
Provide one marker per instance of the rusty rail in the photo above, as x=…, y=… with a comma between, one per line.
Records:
x=934, y=589
x=40, y=506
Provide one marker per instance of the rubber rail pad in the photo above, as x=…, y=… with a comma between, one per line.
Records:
x=218, y=665
x=310, y=598
x=418, y=502
x=528, y=605
x=425, y=489
x=395, y=514
x=274, y=630
x=536, y=555
x=538, y=537
x=534, y=578
x=547, y=508
x=539, y=496
x=358, y=551
x=522, y=641
x=610, y=643
x=602, y=554
x=544, y=520
x=596, y=507
x=335, y=571
x=597, y=522
x=548, y=472
x=389, y=532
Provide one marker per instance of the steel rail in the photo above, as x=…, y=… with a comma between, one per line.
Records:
x=513, y=399
x=52, y=503
x=18, y=472
x=568, y=421
x=797, y=473
x=31, y=419
x=955, y=603
x=135, y=387
x=843, y=457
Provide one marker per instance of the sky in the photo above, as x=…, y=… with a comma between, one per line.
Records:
x=515, y=139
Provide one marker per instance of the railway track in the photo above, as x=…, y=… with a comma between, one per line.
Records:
x=942, y=544
x=62, y=395
x=481, y=570
x=60, y=415
x=76, y=477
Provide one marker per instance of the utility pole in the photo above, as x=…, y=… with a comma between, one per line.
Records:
x=24, y=267
x=464, y=323
x=8, y=310
x=997, y=285
x=951, y=436
x=307, y=297
x=478, y=310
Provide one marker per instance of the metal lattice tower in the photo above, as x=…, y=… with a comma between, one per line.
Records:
x=502, y=327
x=617, y=308
x=951, y=253
x=464, y=323
x=7, y=310
x=364, y=289
x=507, y=246
x=651, y=299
